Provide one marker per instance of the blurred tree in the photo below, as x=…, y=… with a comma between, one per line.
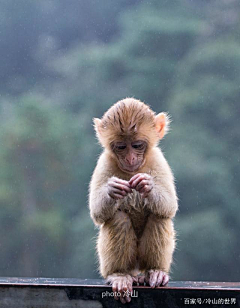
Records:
x=65, y=62
x=141, y=63
x=207, y=96
x=33, y=32
x=41, y=186
x=189, y=64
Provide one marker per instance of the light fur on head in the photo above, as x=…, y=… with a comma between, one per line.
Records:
x=131, y=118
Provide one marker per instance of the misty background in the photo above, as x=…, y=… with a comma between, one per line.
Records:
x=63, y=63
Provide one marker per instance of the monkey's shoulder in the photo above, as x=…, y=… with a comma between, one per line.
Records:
x=157, y=164
x=105, y=166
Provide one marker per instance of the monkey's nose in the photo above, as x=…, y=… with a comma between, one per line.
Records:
x=130, y=159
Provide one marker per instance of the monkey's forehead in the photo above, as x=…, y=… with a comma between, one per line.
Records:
x=128, y=129
x=127, y=121
x=148, y=135
x=129, y=137
x=129, y=112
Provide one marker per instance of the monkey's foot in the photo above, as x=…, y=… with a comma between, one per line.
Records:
x=121, y=286
x=139, y=279
x=156, y=278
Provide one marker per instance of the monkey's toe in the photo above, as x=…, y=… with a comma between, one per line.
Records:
x=121, y=286
x=156, y=278
x=139, y=279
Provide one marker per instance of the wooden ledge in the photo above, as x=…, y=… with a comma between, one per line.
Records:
x=91, y=293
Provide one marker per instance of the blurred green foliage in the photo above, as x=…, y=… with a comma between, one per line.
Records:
x=65, y=62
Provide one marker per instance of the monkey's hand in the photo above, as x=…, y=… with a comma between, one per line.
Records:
x=117, y=188
x=143, y=183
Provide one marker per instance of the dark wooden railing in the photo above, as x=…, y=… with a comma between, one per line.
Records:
x=77, y=293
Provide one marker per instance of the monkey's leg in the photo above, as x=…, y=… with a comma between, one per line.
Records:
x=117, y=250
x=156, y=249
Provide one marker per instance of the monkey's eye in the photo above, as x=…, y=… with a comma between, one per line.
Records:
x=120, y=147
x=138, y=145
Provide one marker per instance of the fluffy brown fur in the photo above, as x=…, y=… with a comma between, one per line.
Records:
x=136, y=234
x=128, y=117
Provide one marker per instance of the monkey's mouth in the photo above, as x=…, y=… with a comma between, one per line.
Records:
x=131, y=168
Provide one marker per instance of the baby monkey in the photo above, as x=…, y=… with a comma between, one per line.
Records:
x=133, y=198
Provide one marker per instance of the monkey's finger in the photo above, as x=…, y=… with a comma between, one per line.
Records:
x=116, y=196
x=128, y=299
x=136, y=181
x=145, y=192
x=120, y=288
x=153, y=279
x=142, y=175
x=146, y=279
x=122, y=299
x=159, y=279
x=145, y=188
x=129, y=286
x=141, y=279
x=124, y=285
x=119, y=192
x=135, y=279
x=142, y=184
x=115, y=290
x=115, y=286
x=165, y=280
x=121, y=186
x=116, y=193
x=135, y=178
x=123, y=182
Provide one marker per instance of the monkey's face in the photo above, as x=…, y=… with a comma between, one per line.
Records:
x=130, y=154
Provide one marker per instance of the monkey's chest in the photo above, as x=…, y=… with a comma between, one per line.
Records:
x=133, y=205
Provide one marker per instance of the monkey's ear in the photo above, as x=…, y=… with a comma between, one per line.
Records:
x=162, y=121
x=97, y=126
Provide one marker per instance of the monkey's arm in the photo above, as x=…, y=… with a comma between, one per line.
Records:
x=105, y=190
x=102, y=206
x=162, y=199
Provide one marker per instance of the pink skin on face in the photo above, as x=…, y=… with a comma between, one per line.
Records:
x=130, y=154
